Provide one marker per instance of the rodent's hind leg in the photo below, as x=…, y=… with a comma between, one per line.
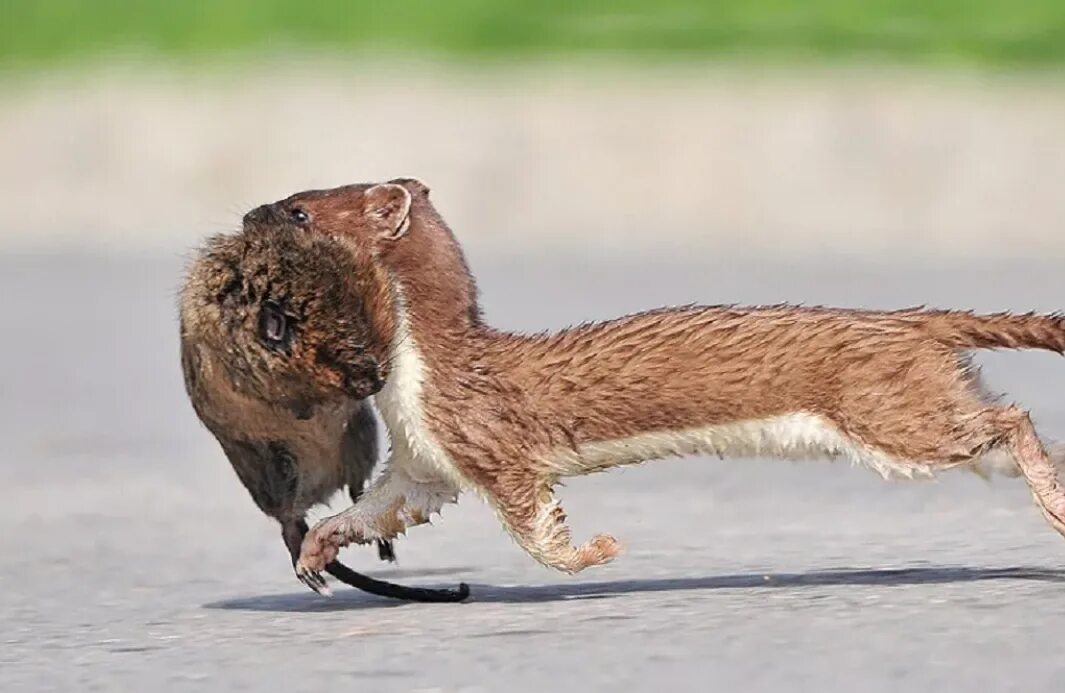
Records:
x=386, y=551
x=392, y=504
x=293, y=532
x=360, y=457
x=533, y=516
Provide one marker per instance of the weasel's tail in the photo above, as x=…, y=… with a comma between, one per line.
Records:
x=965, y=330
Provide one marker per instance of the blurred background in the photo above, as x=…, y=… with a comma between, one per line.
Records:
x=929, y=129
x=594, y=158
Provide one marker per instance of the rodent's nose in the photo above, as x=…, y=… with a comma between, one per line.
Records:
x=260, y=215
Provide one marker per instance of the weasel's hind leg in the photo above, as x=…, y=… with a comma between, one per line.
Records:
x=1018, y=435
x=1000, y=461
x=534, y=518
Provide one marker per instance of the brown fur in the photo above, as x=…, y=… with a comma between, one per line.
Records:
x=292, y=446
x=513, y=413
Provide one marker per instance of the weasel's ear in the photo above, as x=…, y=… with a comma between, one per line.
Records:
x=415, y=186
x=389, y=205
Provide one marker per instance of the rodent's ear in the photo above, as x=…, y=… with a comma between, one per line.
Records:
x=389, y=205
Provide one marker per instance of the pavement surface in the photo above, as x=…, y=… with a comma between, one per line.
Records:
x=132, y=559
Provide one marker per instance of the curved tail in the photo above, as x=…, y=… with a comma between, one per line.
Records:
x=967, y=330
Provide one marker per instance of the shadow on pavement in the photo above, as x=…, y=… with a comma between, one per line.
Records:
x=926, y=575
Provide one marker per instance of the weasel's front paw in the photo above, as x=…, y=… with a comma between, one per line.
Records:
x=320, y=548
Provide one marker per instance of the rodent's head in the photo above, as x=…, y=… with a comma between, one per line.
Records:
x=294, y=319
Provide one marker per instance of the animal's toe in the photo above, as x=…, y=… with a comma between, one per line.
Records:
x=313, y=579
x=606, y=546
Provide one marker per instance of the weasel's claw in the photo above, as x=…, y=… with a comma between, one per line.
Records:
x=314, y=580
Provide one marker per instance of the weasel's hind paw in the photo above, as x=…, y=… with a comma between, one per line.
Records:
x=600, y=549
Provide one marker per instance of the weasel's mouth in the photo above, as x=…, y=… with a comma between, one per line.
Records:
x=262, y=215
x=267, y=217
x=367, y=386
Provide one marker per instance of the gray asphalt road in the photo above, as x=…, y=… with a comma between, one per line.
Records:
x=131, y=558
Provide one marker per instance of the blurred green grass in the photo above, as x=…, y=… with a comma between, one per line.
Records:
x=964, y=32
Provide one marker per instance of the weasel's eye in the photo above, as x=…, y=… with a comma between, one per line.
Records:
x=273, y=325
x=299, y=216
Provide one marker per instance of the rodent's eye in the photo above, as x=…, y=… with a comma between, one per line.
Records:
x=273, y=324
x=299, y=215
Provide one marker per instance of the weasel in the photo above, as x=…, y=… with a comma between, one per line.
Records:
x=292, y=446
x=469, y=407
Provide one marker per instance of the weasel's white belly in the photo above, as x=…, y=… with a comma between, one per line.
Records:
x=793, y=436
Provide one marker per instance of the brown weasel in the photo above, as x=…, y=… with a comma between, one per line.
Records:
x=507, y=415
x=243, y=351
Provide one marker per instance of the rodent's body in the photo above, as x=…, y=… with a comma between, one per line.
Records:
x=290, y=453
x=295, y=423
x=290, y=463
x=469, y=407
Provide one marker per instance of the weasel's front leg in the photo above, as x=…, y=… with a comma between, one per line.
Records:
x=535, y=519
x=392, y=504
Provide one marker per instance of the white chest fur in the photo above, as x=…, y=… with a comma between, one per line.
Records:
x=401, y=403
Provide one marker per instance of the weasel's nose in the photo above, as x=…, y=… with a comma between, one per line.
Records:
x=260, y=215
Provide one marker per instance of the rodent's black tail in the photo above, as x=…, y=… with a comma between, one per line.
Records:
x=293, y=534
x=966, y=330
x=389, y=589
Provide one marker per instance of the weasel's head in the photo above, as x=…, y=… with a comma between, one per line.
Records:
x=290, y=319
x=394, y=221
x=367, y=213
